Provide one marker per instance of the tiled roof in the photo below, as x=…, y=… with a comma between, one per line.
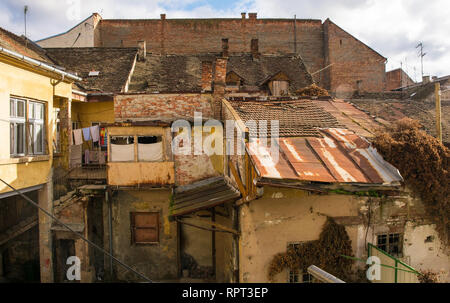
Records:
x=20, y=45
x=255, y=71
x=169, y=73
x=183, y=73
x=339, y=157
x=296, y=118
x=113, y=64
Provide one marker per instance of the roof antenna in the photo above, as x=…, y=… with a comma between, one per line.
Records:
x=25, y=11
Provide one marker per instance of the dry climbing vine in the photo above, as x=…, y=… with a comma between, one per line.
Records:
x=424, y=164
x=325, y=253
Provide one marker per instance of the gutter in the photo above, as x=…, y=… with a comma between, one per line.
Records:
x=39, y=64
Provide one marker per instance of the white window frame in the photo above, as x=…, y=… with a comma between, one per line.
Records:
x=29, y=120
x=33, y=121
x=14, y=121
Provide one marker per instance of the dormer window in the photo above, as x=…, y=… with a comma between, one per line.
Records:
x=233, y=80
x=278, y=84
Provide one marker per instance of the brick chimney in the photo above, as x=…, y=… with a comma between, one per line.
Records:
x=243, y=15
x=224, y=47
x=206, y=75
x=254, y=49
x=220, y=74
x=425, y=79
x=142, y=50
x=163, y=16
x=252, y=16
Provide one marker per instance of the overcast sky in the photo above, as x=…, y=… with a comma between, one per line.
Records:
x=391, y=27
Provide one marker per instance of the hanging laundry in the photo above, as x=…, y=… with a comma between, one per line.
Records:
x=86, y=156
x=95, y=133
x=77, y=136
x=87, y=133
x=102, y=136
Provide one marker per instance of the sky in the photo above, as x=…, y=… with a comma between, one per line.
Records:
x=392, y=27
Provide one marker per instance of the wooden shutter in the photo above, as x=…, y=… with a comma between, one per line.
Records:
x=145, y=227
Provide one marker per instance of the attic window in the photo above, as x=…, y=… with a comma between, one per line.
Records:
x=94, y=73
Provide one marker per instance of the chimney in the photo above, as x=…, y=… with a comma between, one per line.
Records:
x=206, y=75
x=163, y=16
x=220, y=75
x=142, y=50
x=425, y=79
x=254, y=48
x=243, y=15
x=252, y=16
x=224, y=47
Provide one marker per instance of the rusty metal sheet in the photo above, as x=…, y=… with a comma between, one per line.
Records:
x=337, y=161
x=304, y=162
x=340, y=156
x=267, y=165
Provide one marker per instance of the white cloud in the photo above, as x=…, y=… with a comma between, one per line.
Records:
x=391, y=27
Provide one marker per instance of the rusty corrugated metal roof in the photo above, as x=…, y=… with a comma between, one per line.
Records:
x=340, y=156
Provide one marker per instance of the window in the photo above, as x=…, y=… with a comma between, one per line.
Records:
x=150, y=148
x=17, y=127
x=144, y=227
x=36, y=127
x=27, y=129
x=122, y=148
x=390, y=243
x=297, y=276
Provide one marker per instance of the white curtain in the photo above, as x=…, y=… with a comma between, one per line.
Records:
x=121, y=153
x=150, y=152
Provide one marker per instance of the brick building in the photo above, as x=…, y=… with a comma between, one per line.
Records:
x=337, y=60
x=397, y=78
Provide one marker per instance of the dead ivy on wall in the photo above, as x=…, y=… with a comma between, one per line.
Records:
x=424, y=164
x=326, y=253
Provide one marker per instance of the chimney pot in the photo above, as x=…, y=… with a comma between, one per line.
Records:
x=252, y=16
x=163, y=16
x=142, y=50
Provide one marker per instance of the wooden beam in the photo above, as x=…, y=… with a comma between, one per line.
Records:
x=241, y=186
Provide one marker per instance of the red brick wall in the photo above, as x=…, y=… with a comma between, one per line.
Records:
x=165, y=107
x=318, y=44
x=397, y=78
x=352, y=61
x=191, y=36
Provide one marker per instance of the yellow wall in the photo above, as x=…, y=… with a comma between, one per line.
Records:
x=21, y=81
x=87, y=112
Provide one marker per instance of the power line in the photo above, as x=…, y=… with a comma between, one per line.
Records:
x=78, y=234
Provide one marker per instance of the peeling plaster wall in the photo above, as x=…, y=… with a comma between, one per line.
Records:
x=425, y=251
x=156, y=261
x=282, y=216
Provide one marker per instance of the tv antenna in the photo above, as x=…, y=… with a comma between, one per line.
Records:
x=421, y=55
x=25, y=11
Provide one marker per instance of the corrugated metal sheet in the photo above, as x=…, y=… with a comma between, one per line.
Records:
x=340, y=156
